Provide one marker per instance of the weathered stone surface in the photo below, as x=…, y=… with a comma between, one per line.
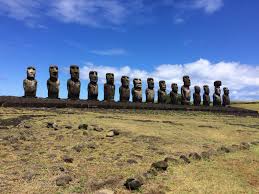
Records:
x=83, y=126
x=197, y=96
x=244, y=146
x=93, y=86
x=185, y=90
x=225, y=97
x=74, y=84
x=137, y=90
x=160, y=165
x=68, y=159
x=206, y=95
x=162, y=96
x=112, y=133
x=109, y=87
x=30, y=83
x=174, y=96
x=133, y=184
x=53, y=82
x=195, y=156
x=217, y=93
x=124, y=89
x=63, y=180
x=150, y=92
x=184, y=159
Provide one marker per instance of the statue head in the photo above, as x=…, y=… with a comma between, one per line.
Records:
x=31, y=72
x=125, y=81
x=110, y=78
x=150, y=83
x=162, y=85
x=226, y=91
x=217, y=85
x=186, y=81
x=93, y=75
x=53, y=72
x=174, y=87
x=74, y=72
x=137, y=83
x=206, y=89
x=197, y=89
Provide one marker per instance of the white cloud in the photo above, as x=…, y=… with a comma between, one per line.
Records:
x=241, y=79
x=209, y=6
x=110, y=52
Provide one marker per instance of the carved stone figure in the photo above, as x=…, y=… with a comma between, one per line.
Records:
x=53, y=82
x=109, y=87
x=216, y=95
x=124, y=89
x=74, y=84
x=150, y=93
x=162, y=92
x=206, y=95
x=197, y=96
x=225, y=98
x=175, y=97
x=93, y=86
x=30, y=83
x=185, y=90
x=137, y=90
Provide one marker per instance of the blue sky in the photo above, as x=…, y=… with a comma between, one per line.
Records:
x=164, y=39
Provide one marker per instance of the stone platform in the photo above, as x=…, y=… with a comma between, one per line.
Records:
x=11, y=101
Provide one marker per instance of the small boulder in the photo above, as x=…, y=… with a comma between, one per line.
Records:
x=83, y=126
x=133, y=184
x=112, y=133
x=63, y=180
x=68, y=159
x=244, y=146
x=195, y=156
x=205, y=155
x=52, y=125
x=184, y=159
x=160, y=165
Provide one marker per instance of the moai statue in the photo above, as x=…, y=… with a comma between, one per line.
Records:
x=185, y=90
x=197, y=96
x=162, y=92
x=109, y=87
x=124, y=89
x=53, y=82
x=206, y=95
x=74, y=84
x=30, y=83
x=175, y=97
x=93, y=86
x=225, y=98
x=137, y=90
x=216, y=95
x=150, y=93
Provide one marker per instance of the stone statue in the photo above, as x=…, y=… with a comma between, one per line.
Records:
x=30, y=83
x=225, y=98
x=162, y=92
x=150, y=93
x=74, y=84
x=109, y=87
x=137, y=90
x=216, y=95
x=53, y=82
x=93, y=86
x=175, y=97
x=206, y=95
x=124, y=89
x=185, y=90
x=197, y=96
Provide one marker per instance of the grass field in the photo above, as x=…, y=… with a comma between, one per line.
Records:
x=32, y=155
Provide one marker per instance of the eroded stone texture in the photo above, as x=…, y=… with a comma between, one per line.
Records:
x=93, y=86
x=197, y=96
x=137, y=90
x=225, y=98
x=124, y=89
x=175, y=97
x=185, y=90
x=216, y=95
x=30, y=83
x=109, y=87
x=53, y=82
x=162, y=92
x=206, y=95
x=150, y=92
x=74, y=84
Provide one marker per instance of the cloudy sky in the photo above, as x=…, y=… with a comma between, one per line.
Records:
x=206, y=39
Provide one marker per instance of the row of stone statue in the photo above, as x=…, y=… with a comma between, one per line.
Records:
x=74, y=84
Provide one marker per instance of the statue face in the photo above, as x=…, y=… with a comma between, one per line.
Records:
x=206, y=89
x=217, y=83
x=197, y=89
x=74, y=72
x=93, y=76
x=31, y=72
x=174, y=87
x=137, y=83
x=162, y=85
x=125, y=81
x=53, y=71
x=226, y=91
x=110, y=78
x=186, y=81
x=150, y=83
